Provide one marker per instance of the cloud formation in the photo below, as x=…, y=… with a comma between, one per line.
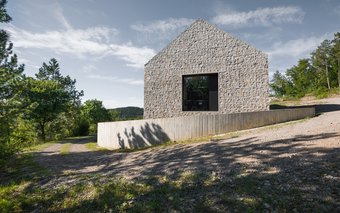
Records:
x=260, y=17
x=162, y=26
x=115, y=79
x=59, y=15
x=135, y=56
x=159, y=32
x=94, y=41
x=297, y=47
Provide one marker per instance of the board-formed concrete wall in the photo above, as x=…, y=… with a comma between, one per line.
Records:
x=203, y=48
x=141, y=133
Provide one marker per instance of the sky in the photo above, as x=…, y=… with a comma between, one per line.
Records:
x=104, y=44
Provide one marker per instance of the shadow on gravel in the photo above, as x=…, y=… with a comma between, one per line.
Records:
x=79, y=140
x=319, y=108
x=208, y=156
x=291, y=175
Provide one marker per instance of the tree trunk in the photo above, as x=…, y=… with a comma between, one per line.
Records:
x=328, y=84
x=42, y=130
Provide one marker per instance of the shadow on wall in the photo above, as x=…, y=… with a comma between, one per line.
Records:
x=147, y=135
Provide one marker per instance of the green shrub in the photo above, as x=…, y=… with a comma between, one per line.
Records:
x=321, y=92
x=81, y=128
x=93, y=129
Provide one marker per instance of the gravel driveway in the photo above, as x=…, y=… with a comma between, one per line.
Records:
x=302, y=153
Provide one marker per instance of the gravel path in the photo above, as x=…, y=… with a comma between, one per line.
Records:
x=309, y=148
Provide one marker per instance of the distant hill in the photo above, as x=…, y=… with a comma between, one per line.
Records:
x=127, y=113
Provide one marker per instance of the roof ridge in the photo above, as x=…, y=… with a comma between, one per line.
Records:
x=208, y=24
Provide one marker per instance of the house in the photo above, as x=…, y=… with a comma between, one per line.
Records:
x=205, y=71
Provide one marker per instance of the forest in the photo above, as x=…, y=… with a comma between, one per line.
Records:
x=318, y=75
x=45, y=107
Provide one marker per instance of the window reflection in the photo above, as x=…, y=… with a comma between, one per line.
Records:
x=200, y=92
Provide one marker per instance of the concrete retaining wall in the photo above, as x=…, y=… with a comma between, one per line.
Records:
x=141, y=133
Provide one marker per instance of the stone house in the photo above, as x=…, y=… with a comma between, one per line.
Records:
x=205, y=71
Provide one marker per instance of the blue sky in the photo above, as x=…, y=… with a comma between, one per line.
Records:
x=104, y=44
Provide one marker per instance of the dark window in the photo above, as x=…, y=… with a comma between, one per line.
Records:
x=200, y=92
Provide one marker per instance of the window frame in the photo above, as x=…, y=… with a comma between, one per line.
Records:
x=184, y=107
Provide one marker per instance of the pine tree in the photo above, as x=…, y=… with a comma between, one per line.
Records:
x=11, y=84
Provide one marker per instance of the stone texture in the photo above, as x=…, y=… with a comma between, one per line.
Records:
x=204, y=48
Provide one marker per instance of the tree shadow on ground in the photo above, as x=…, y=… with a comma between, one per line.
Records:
x=247, y=175
x=79, y=140
x=208, y=156
x=319, y=108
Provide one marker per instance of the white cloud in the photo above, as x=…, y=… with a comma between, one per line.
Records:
x=27, y=63
x=297, y=47
x=283, y=55
x=89, y=68
x=94, y=41
x=163, y=26
x=115, y=79
x=260, y=17
x=158, y=33
x=58, y=14
x=135, y=56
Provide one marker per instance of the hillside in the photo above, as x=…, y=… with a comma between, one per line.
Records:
x=127, y=113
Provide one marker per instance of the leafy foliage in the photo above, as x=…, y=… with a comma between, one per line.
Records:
x=316, y=75
x=49, y=95
x=45, y=107
x=11, y=84
x=4, y=17
x=126, y=113
x=93, y=112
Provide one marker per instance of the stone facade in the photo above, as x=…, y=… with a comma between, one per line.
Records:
x=200, y=49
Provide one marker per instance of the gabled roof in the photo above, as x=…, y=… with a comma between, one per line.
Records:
x=204, y=24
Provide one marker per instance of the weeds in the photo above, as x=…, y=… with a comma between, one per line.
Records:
x=65, y=148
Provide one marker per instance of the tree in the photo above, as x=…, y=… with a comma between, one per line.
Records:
x=321, y=60
x=11, y=84
x=49, y=95
x=4, y=17
x=302, y=78
x=316, y=75
x=51, y=71
x=126, y=113
x=278, y=84
x=94, y=111
x=336, y=54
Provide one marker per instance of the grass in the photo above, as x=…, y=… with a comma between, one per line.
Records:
x=79, y=137
x=293, y=101
x=16, y=177
x=185, y=191
x=65, y=148
x=39, y=147
x=242, y=189
x=94, y=147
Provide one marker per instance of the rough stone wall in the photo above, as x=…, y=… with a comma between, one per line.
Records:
x=203, y=48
